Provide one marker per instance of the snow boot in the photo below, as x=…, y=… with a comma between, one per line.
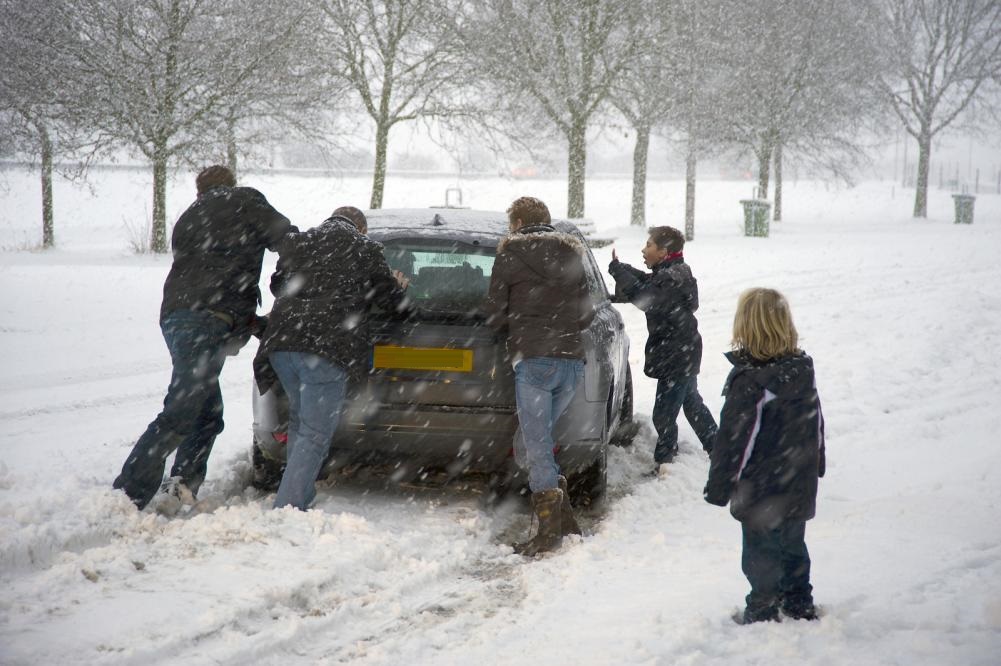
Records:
x=569, y=523
x=752, y=615
x=173, y=496
x=546, y=505
x=799, y=609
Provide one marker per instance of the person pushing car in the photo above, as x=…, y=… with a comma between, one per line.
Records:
x=326, y=281
x=210, y=298
x=539, y=298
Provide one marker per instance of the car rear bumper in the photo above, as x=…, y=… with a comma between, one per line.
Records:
x=434, y=434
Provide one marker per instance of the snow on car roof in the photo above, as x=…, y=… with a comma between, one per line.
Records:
x=463, y=224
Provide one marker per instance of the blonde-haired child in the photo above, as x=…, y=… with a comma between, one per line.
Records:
x=768, y=455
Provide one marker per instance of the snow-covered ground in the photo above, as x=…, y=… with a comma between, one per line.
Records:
x=902, y=316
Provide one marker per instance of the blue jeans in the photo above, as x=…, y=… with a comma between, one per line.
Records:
x=672, y=395
x=777, y=565
x=192, y=409
x=316, y=389
x=543, y=389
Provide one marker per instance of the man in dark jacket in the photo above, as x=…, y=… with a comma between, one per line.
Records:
x=208, y=311
x=539, y=298
x=669, y=296
x=317, y=336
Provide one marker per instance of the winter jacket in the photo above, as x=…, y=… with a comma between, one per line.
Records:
x=539, y=294
x=669, y=296
x=326, y=282
x=769, y=450
x=218, y=245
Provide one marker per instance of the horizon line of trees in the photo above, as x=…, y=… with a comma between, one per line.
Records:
x=189, y=81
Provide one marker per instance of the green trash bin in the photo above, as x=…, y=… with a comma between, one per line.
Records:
x=756, y=217
x=964, y=208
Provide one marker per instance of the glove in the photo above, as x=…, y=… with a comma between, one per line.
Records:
x=715, y=497
x=240, y=335
x=258, y=326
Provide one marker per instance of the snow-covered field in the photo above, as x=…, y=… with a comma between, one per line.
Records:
x=902, y=316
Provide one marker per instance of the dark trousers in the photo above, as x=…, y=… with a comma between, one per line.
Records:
x=672, y=396
x=777, y=565
x=192, y=409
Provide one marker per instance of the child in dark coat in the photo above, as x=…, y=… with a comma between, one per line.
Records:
x=669, y=296
x=768, y=455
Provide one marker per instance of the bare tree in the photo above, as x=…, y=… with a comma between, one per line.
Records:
x=298, y=98
x=671, y=85
x=41, y=113
x=698, y=35
x=562, y=55
x=398, y=57
x=799, y=76
x=164, y=69
x=941, y=56
x=644, y=93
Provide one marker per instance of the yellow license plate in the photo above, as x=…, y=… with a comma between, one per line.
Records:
x=423, y=358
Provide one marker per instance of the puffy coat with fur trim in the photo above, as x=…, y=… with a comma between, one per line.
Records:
x=539, y=294
x=769, y=450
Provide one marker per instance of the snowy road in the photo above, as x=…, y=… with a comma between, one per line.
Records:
x=903, y=318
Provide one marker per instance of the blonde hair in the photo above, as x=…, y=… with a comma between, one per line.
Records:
x=763, y=325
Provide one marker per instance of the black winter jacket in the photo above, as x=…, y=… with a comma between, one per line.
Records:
x=769, y=450
x=218, y=244
x=326, y=282
x=539, y=294
x=669, y=296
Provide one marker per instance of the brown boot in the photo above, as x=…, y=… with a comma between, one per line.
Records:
x=570, y=525
x=546, y=505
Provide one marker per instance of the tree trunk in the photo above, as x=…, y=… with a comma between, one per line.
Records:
x=640, y=152
x=576, y=165
x=158, y=232
x=231, y=155
x=777, y=206
x=690, y=164
x=764, y=154
x=48, y=225
x=921, y=186
x=379, y=175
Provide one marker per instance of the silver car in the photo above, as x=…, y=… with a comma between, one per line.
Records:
x=440, y=391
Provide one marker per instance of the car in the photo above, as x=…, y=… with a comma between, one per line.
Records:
x=439, y=393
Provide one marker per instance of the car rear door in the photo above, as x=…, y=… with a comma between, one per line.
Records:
x=446, y=356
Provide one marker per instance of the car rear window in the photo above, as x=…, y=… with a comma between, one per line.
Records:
x=447, y=278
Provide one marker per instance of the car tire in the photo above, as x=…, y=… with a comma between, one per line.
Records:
x=627, y=428
x=267, y=472
x=588, y=486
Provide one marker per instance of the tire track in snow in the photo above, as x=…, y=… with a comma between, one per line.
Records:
x=419, y=563
x=366, y=572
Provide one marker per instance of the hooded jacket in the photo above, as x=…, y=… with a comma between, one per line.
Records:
x=218, y=245
x=539, y=294
x=769, y=450
x=669, y=296
x=326, y=282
